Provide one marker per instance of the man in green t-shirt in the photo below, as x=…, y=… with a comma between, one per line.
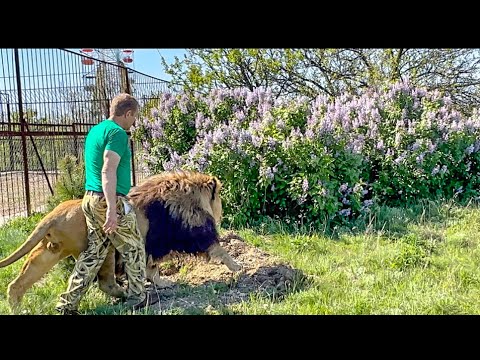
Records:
x=110, y=219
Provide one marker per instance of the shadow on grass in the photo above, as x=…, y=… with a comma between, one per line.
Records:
x=214, y=296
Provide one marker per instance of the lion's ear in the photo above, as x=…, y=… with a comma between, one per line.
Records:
x=212, y=184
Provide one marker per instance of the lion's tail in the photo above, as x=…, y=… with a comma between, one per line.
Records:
x=40, y=231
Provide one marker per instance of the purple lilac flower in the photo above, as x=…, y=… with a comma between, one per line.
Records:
x=416, y=145
x=368, y=203
x=256, y=141
x=267, y=173
x=469, y=150
x=343, y=188
x=199, y=119
x=345, y=212
x=240, y=116
x=476, y=146
x=400, y=159
x=309, y=134
x=154, y=112
x=380, y=145
x=271, y=143
x=218, y=136
x=419, y=158
x=305, y=185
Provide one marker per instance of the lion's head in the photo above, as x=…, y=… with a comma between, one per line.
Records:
x=189, y=195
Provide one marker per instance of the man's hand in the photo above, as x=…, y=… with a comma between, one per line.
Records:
x=111, y=221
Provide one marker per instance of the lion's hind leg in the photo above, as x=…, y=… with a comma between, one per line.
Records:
x=40, y=260
x=106, y=276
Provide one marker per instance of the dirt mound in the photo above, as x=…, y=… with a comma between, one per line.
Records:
x=205, y=286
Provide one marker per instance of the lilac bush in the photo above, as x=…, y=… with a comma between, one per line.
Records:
x=327, y=160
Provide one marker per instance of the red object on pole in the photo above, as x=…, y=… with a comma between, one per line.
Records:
x=89, y=52
x=128, y=56
x=87, y=61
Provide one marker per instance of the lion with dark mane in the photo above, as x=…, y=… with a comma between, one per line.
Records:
x=176, y=211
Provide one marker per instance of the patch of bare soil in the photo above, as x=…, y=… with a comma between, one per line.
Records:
x=204, y=286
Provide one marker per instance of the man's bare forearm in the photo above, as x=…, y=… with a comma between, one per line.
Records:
x=109, y=185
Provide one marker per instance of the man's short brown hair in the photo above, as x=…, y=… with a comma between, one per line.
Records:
x=122, y=103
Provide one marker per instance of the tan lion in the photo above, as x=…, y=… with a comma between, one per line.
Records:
x=176, y=211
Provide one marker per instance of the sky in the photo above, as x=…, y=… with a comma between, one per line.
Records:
x=42, y=68
x=148, y=61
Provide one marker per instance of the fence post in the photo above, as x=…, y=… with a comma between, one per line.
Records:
x=23, y=133
x=75, y=143
x=128, y=90
x=12, y=148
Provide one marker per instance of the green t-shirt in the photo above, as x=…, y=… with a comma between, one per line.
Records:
x=107, y=135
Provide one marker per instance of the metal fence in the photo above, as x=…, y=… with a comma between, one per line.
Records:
x=49, y=99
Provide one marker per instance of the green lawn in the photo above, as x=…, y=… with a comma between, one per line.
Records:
x=421, y=260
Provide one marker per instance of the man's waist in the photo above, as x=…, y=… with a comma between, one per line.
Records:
x=100, y=193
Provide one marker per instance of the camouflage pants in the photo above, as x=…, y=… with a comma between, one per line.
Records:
x=126, y=239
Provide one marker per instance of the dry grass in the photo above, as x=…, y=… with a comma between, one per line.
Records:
x=12, y=193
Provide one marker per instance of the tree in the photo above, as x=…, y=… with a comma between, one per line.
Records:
x=310, y=72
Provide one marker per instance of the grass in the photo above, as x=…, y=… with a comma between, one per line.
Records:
x=420, y=260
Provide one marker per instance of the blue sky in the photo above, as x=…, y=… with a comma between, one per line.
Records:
x=148, y=61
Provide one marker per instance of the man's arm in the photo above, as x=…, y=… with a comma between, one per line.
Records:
x=109, y=184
